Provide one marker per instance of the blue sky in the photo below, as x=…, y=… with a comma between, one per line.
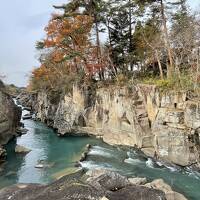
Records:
x=21, y=25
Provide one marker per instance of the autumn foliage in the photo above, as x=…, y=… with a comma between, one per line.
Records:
x=67, y=44
x=144, y=39
x=70, y=38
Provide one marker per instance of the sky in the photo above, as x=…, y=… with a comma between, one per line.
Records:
x=22, y=23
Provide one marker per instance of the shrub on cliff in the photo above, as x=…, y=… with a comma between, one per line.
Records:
x=183, y=81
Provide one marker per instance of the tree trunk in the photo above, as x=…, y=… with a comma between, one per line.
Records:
x=130, y=34
x=170, y=70
x=159, y=64
x=197, y=71
x=99, y=54
x=110, y=53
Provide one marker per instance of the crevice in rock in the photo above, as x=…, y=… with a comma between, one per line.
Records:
x=81, y=121
x=196, y=138
x=150, y=125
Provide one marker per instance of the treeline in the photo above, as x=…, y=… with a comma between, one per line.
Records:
x=123, y=41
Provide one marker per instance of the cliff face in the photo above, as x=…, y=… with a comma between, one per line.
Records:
x=166, y=126
x=10, y=116
x=175, y=123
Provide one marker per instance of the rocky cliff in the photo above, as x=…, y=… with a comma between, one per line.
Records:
x=163, y=125
x=10, y=116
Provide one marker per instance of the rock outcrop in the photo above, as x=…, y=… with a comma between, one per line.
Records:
x=163, y=125
x=175, y=123
x=2, y=154
x=21, y=149
x=97, y=185
x=10, y=116
x=159, y=184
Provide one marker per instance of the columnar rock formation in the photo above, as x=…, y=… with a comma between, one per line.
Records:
x=163, y=125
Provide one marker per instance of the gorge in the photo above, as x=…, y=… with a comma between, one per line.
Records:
x=164, y=126
x=112, y=109
x=128, y=118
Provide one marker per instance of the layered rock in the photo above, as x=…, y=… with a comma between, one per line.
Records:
x=175, y=122
x=95, y=185
x=163, y=125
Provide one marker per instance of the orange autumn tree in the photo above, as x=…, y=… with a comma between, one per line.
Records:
x=69, y=36
x=41, y=78
x=69, y=52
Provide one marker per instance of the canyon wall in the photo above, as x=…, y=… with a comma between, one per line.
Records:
x=162, y=125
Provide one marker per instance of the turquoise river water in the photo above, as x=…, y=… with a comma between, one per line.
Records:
x=59, y=155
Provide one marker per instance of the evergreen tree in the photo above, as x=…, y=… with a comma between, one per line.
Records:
x=121, y=17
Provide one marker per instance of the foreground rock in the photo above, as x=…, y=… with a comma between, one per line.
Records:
x=94, y=185
x=10, y=116
x=77, y=187
x=169, y=193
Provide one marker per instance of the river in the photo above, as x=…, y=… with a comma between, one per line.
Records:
x=59, y=155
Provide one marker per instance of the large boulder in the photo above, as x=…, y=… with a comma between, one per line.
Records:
x=136, y=193
x=107, y=180
x=21, y=149
x=10, y=116
x=75, y=187
x=169, y=193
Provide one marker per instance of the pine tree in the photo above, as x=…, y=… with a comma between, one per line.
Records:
x=121, y=17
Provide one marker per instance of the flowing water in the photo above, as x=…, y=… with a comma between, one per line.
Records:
x=58, y=155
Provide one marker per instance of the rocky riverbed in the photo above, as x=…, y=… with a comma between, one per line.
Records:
x=141, y=117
